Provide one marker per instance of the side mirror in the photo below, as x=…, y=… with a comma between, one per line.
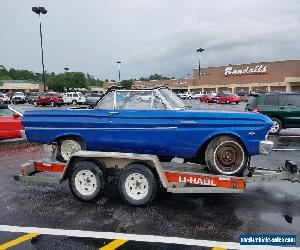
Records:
x=15, y=115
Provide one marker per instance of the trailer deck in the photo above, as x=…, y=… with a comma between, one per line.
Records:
x=174, y=177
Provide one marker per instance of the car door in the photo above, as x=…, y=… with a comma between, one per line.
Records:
x=290, y=109
x=136, y=127
x=10, y=125
x=269, y=105
x=102, y=137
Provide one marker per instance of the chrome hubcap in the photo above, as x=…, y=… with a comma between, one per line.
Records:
x=136, y=186
x=69, y=147
x=85, y=182
x=274, y=127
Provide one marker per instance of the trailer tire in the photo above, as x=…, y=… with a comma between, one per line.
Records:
x=225, y=155
x=86, y=181
x=67, y=146
x=137, y=185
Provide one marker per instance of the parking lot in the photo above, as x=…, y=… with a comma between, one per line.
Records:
x=213, y=221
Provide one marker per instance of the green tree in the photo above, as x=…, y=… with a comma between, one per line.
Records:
x=68, y=81
x=158, y=77
x=154, y=77
x=127, y=83
x=5, y=77
x=144, y=79
x=92, y=81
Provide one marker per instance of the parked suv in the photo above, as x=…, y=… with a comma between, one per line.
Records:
x=18, y=97
x=74, y=98
x=282, y=108
x=52, y=99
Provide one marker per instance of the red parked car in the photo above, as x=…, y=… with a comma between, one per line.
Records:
x=228, y=98
x=52, y=99
x=206, y=98
x=10, y=123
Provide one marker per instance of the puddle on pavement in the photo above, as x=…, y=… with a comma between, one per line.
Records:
x=288, y=221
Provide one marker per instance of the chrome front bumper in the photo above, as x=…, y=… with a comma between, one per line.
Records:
x=265, y=147
x=23, y=135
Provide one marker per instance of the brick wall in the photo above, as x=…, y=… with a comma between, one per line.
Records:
x=276, y=71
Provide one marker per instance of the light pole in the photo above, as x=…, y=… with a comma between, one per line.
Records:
x=119, y=67
x=66, y=69
x=41, y=10
x=200, y=50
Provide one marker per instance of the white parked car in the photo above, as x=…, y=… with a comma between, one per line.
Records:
x=186, y=95
x=190, y=95
x=18, y=97
x=73, y=98
x=4, y=98
x=196, y=95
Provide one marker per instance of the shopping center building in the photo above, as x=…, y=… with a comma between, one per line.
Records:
x=9, y=86
x=254, y=77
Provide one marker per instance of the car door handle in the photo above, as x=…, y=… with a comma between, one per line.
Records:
x=113, y=113
x=188, y=122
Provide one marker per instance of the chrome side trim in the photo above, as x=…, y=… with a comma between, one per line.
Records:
x=23, y=134
x=188, y=122
x=160, y=128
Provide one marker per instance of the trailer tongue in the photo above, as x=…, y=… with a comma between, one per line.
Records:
x=140, y=174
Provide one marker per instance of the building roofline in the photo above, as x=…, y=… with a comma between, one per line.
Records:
x=221, y=66
x=19, y=81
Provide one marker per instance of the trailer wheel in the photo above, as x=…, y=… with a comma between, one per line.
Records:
x=225, y=155
x=137, y=185
x=68, y=146
x=86, y=181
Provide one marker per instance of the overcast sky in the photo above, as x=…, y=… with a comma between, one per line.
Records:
x=148, y=36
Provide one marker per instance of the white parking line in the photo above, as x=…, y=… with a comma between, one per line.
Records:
x=284, y=136
x=134, y=237
x=286, y=149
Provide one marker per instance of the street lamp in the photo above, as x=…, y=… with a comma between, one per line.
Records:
x=119, y=66
x=200, y=50
x=66, y=69
x=41, y=10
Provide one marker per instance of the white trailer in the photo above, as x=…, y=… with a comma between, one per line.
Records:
x=140, y=175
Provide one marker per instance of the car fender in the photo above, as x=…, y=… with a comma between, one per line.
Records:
x=62, y=135
x=222, y=133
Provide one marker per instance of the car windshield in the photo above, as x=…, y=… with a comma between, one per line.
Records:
x=174, y=101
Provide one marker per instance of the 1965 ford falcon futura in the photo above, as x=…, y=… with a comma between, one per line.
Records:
x=154, y=122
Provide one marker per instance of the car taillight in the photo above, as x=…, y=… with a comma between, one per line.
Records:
x=255, y=109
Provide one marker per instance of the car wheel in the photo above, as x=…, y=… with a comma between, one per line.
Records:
x=276, y=127
x=68, y=146
x=237, y=102
x=74, y=102
x=218, y=102
x=35, y=104
x=189, y=97
x=52, y=104
x=137, y=185
x=227, y=102
x=86, y=181
x=225, y=155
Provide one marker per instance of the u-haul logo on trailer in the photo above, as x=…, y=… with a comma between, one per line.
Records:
x=196, y=180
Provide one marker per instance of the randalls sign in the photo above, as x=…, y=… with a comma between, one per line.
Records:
x=257, y=70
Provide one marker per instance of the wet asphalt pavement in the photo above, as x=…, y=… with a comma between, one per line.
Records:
x=262, y=209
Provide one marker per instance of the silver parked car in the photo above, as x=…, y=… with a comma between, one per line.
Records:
x=92, y=98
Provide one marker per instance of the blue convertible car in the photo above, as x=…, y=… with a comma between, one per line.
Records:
x=155, y=122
